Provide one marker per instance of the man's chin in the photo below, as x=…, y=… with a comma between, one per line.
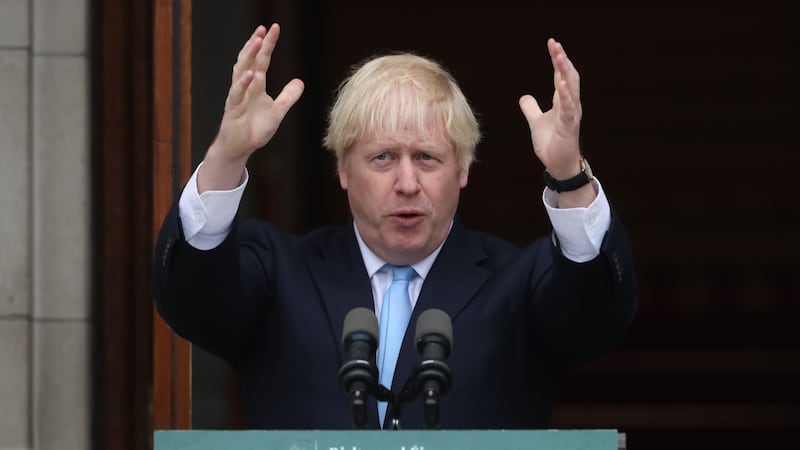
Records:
x=406, y=253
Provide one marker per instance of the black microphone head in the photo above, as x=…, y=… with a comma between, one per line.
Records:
x=360, y=320
x=434, y=322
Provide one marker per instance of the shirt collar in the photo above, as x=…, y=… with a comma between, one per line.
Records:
x=373, y=263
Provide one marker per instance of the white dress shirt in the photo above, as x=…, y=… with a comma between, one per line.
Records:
x=207, y=218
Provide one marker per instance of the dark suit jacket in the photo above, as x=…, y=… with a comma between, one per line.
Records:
x=273, y=304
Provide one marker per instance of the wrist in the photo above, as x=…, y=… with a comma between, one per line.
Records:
x=566, y=181
x=222, y=152
x=566, y=171
x=220, y=173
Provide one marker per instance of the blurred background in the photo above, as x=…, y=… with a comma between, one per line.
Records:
x=689, y=122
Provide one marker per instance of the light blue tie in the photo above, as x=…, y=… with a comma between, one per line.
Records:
x=395, y=313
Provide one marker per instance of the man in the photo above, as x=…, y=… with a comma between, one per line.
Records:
x=272, y=304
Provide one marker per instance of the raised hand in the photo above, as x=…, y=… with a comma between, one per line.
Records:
x=555, y=133
x=251, y=116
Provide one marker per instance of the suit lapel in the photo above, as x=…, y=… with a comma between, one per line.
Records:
x=452, y=282
x=338, y=270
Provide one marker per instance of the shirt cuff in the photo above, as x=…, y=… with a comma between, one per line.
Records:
x=206, y=218
x=580, y=231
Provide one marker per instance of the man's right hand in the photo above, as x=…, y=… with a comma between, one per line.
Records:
x=251, y=117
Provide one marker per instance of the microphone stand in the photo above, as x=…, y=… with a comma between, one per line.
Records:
x=431, y=378
x=356, y=377
x=383, y=394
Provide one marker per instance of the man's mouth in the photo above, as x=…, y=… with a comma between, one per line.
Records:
x=407, y=218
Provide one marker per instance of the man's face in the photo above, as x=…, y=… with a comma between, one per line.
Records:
x=403, y=191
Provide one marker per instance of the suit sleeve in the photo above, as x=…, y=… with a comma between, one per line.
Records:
x=203, y=294
x=581, y=309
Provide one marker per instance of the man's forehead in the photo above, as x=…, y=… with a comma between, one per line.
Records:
x=406, y=137
x=406, y=141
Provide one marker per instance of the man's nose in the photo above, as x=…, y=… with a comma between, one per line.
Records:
x=407, y=181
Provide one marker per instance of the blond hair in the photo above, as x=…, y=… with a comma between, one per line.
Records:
x=397, y=92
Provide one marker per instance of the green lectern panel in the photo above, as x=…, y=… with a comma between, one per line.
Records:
x=387, y=440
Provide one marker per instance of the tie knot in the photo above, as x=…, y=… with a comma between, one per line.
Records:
x=403, y=273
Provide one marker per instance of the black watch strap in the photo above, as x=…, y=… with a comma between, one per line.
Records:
x=578, y=181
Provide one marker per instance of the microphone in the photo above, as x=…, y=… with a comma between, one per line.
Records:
x=434, y=337
x=359, y=375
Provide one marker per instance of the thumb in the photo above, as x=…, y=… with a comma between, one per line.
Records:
x=530, y=108
x=289, y=95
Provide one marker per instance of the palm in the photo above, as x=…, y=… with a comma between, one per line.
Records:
x=251, y=124
x=251, y=116
x=554, y=134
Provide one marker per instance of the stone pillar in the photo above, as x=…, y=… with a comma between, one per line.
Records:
x=44, y=225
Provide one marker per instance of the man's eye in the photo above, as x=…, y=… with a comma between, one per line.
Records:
x=426, y=157
x=382, y=157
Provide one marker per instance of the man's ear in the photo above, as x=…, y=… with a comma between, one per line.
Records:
x=342, y=175
x=462, y=181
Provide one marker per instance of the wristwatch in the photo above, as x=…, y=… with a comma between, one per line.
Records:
x=570, y=184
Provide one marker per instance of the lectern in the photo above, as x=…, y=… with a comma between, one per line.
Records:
x=390, y=440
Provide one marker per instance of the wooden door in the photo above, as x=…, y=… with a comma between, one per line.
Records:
x=171, y=167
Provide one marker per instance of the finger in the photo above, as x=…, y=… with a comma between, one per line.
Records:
x=530, y=108
x=244, y=59
x=258, y=87
x=238, y=91
x=570, y=75
x=563, y=69
x=556, y=98
x=567, y=107
x=264, y=55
